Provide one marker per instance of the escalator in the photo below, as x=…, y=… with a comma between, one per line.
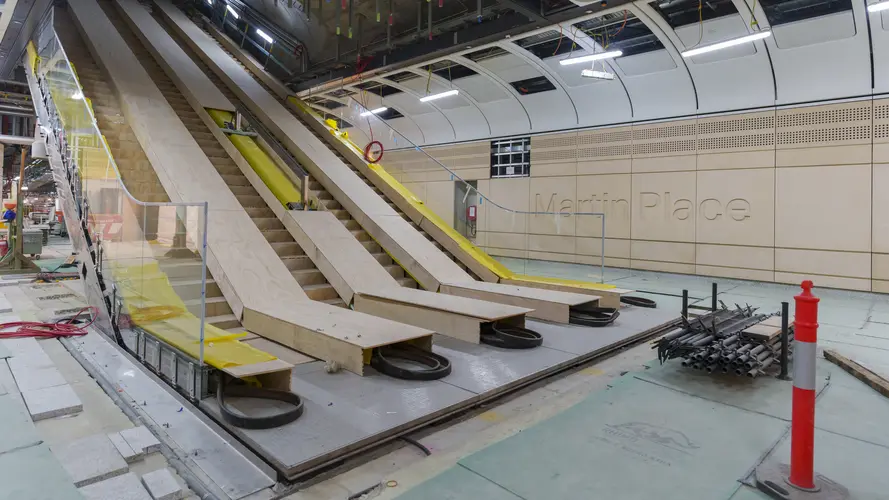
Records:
x=316, y=190
x=310, y=279
x=139, y=176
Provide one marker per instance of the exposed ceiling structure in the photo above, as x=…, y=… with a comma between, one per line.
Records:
x=18, y=19
x=317, y=40
x=816, y=50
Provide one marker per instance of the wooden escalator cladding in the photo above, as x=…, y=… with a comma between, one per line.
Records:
x=303, y=270
x=138, y=175
x=316, y=190
x=317, y=186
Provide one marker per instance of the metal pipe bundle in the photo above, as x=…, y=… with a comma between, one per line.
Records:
x=715, y=343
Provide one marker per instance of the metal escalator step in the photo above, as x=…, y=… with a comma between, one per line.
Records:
x=235, y=180
x=251, y=201
x=215, y=306
x=336, y=302
x=382, y=257
x=394, y=270
x=243, y=190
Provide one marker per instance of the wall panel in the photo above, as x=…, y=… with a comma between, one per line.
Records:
x=775, y=195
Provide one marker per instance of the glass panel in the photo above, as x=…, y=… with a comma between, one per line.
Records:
x=151, y=256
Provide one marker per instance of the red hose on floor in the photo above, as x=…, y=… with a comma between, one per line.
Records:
x=49, y=330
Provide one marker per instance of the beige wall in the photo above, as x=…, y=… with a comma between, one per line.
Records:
x=778, y=195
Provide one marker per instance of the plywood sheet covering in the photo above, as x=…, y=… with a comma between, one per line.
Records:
x=186, y=70
x=488, y=311
x=550, y=305
x=187, y=174
x=401, y=240
x=244, y=264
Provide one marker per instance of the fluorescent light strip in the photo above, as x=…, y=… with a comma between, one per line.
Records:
x=726, y=44
x=877, y=7
x=599, y=75
x=439, y=96
x=264, y=35
x=591, y=57
x=77, y=95
x=374, y=111
x=232, y=11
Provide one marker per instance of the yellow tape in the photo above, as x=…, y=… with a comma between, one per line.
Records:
x=33, y=58
x=277, y=181
x=154, y=306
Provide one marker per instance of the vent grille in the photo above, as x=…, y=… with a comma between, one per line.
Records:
x=554, y=141
x=554, y=155
x=881, y=112
x=736, y=125
x=825, y=135
x=605, y=137
x=736, y=141
x=827, y=116
x=605, y=151
x=881, y=131
x=648, y=148
x=664, y=132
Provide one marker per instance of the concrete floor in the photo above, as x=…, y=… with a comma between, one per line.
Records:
x=39, y=474
x=855, y=323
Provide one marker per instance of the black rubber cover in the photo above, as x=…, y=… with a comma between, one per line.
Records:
x=437, y=366
x=510, y=337
x=245, y=391
x=638, y=302
x=593, y=316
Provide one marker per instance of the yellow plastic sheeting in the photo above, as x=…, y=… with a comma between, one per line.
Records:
x=276, y=180
x=154, y=306
x=475, y=252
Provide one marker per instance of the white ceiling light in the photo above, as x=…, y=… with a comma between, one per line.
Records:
x=263, y=34
x=600, y=75
x=210, y=2
x=726, y=44
x=439, y=96
x=877, y=7
x=24, y=188
x=591, y=57
x=232, y=11
x=77, y=95
x=374, y=111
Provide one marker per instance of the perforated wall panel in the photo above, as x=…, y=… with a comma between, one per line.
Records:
x=834, y=124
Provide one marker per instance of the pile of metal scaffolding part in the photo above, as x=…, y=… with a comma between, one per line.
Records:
x=718, y=342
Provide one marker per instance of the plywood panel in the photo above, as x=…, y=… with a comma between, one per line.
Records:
x=160, y=44
x=608, y=194
x=825, y=208
x=736, y=207
x=663, y=206
x=848, y=264
x=553, y=195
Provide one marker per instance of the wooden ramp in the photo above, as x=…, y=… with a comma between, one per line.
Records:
x=548, y=305
x=254, y=280
x=419, y=257
x=357, y=275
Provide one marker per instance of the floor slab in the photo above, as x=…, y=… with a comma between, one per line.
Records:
x=601, y=447
x=458, y=483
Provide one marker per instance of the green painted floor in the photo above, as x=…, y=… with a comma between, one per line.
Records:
x=671, y=433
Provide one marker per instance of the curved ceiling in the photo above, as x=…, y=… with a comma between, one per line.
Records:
x=818, y=50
